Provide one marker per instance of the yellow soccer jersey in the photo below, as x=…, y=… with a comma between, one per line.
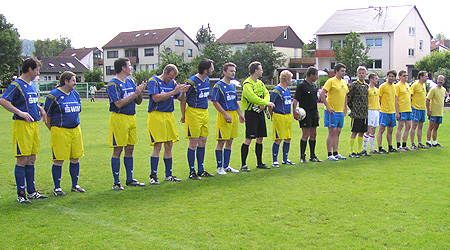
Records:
x=387, y=97
x=436, y=97
x=418, y=96
x=374, y=99
x=403, y=93
x=337, y=90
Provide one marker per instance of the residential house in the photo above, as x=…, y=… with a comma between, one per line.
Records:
x=282, y=39
x=397, y=35
x=52, y=67
x=90, y=57
x=142, y=48
x=440, y=45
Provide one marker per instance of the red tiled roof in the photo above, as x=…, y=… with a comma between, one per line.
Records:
x=252, y=35
x=78, y=53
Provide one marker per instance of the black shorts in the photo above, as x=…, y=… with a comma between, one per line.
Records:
x=255, y=124
x=359, y=125
x=311, y=119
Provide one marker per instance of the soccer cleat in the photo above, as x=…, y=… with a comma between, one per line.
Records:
x=117, y=186
x=58, y=192
x=205, y=174
x=36, y=195
x=221, y=171
x=154, y=181
x=393, y=150
x=172, y=178
x=23, y=199
x=420, y=145
x=263, y=166
x=374, y=152
x=429, y=145
x=314, y=159
x=353, y=155
x=135, y=183
x=401, y=149
x=275, y=164
x=303, y=161
x=437, y=145
x=340, y=157
x=383, y=151
x=231, y=170
x=287, y=162
x=406, y=148
x=414, y=147
x=332, y=158
x=364, y=153
x=193, y=175
x=245, y=168
x=77, y=188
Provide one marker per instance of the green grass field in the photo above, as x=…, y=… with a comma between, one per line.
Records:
x=384, y=201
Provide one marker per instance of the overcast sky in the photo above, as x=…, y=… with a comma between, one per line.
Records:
x=94, y=23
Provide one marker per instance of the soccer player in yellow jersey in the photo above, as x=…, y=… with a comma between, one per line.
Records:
x=418, y=103
x=435, y=110
x=387, y=112
x=403, y=112
x=334, y=96
x=373, y=114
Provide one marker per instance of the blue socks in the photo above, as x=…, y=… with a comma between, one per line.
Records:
x=286, y=147
x=219, y=158
x=226, y=157
x=191, y=159
x=200, y=158
x=168, y=164
x=74, y=170
x=19, y=174
x=128, y=162
x=115, y=166
x=56, y=174
x=29, y=177
x=154, y=165
x=275, y=149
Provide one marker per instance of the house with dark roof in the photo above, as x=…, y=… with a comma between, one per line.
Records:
x=90, y=57
x=282, y=38
x=142, y=48
x=397, y=36
x=52, y=67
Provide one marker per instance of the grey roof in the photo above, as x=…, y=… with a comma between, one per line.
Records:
x=367, y=20
x=61, y=64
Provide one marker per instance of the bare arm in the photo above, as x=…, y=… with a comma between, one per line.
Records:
x=323, y=97
x=222, y=111
x=8, y=106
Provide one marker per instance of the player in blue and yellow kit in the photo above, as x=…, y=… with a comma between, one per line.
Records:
x=20, y=98
x=224, y=99
x=196, y=117
x=63, y=106
x=282, y=118
x=162, y=129
x=123, y=97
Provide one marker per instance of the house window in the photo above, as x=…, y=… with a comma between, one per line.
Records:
x=421, y=44
x=340, y=41
x=412, y=31
x=49, y=78
x=167, y=49
x=374, y=42
x=376, y=64
x=110, y=70
x=149, y=52
x=131, y=53
x=332, y=63
x=179, y=43
x=411, y=52
x=143, y=67
x=45, y=78
x=285, y=34
x=189, y=52
x=112, y=54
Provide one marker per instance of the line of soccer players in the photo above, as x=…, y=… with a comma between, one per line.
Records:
x=370, y=107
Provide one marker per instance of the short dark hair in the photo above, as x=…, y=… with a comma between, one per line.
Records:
x=311, y=71
x=392, y=71
x=204, y=64
x=31, y=62
x=253, y=67
x=372, y=75
x=119, y=63
x=402, y=72
x=66, y=75
x=169, y=68
x=339, y=66
x=422, y=73
x=228, y=64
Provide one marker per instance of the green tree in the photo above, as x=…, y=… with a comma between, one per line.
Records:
x=141, y=76
x=353, y=53
x=95, y=75
x=216, y=51
x=205, y=35
x=309, y=48
x=434, y=61
x=262, y=52
x=47, y=47
x=168, y=56
x=440, y=36
x=10, y=50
